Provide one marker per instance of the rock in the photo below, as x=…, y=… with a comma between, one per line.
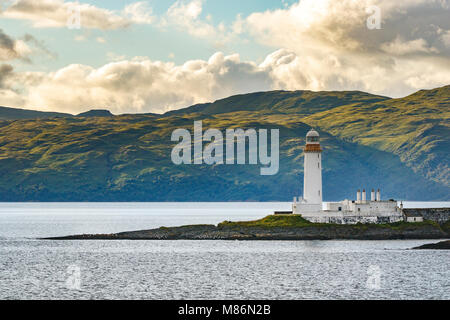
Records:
x=308, y=232
x=443, y=245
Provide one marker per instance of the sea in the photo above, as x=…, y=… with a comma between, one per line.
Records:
x=35, y=269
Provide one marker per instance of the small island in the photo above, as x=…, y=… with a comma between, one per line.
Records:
x=281, y=227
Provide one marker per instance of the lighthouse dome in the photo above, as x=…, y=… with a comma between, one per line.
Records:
x=312, y=133
x=312, y=137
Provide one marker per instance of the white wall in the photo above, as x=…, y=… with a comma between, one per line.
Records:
x=312, y=184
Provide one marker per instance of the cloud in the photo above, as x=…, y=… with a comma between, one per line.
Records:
x=114, y=57
x=142, y=85
x=38, y=47
x=11, y=49
x=446, y=38
x=6, y=70
x=327, y=44
x=56, y=13
x=400, y=47
x=185, y=15
x=342, y=25
x=8, y=95
x=139, y=12
x=22, y=49
x=317, y=45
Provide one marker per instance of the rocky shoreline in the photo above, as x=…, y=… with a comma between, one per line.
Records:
x=443, y=245
x=279, y=228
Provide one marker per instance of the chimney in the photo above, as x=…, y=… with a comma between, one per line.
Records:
x=364, y=195
x=372, y=195
x=295, y=200
x=358, y=196
x=378, y=195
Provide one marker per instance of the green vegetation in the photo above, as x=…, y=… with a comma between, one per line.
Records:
x=271, y=221
x=296, y=221
x=283, y=102
x=399, y=145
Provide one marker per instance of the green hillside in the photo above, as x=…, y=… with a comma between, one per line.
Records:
x=127, y=158
x=298, y=102
x=415, y=128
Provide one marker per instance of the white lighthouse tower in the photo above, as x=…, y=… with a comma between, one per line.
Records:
x=312, y=184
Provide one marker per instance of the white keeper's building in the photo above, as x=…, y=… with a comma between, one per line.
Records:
x=361, y=210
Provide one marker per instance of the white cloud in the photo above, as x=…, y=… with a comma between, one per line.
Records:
x=113, y=57
x=186, y=16
x=446, y=39
x=400, y=47
x=327, y=45
x=56, y=13
x=341, y=25
x=142, y=85
x=139, y=12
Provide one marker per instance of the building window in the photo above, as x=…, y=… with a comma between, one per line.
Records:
x=359, y=209
x=340, y=208
x=313, y=139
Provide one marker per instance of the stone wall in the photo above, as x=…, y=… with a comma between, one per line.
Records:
x=352, y=219
x=439, y=215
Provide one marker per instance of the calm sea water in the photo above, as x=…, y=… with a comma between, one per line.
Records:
x=37, y=269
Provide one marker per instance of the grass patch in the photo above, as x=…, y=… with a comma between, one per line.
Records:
x=297, y=221
x=271, y=222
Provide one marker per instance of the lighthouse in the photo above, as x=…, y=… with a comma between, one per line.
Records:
x=346, y=211
x=312, y=183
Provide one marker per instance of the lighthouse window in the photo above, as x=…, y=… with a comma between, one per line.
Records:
x=313, y=139
x=318, y=165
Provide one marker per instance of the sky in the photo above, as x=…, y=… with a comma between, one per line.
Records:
x=159, y=55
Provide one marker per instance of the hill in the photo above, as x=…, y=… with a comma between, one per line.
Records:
x=16, y=114
x=96, y=113
x=415, y=128
x=296, y=102
x=368, y=141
